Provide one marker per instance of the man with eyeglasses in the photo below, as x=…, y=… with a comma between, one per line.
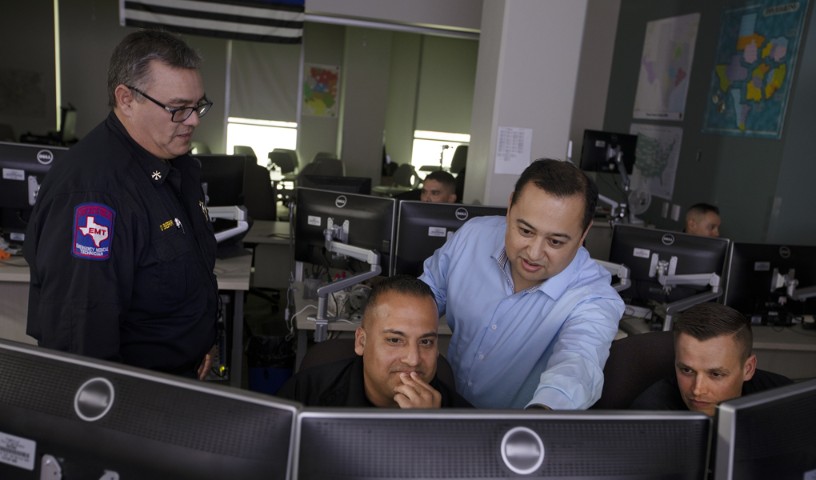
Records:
x=119, y=243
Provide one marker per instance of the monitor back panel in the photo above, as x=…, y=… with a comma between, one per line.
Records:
x=347, y=444
x=770, y=434
x=97, y=416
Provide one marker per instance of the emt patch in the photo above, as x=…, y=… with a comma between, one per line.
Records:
x=93, y=231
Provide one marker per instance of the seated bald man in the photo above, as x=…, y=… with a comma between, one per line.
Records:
x=397, y=351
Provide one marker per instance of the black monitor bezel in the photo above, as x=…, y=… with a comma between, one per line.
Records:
x=144, y=424
x=435, y=219
x=309, y=238
x=750, y=268
x=767, y=434
x=595, y=159
x=645, y=291
x=15, y=209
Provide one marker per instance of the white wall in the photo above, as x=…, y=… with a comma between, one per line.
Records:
x=526, y=78
x=455, y=14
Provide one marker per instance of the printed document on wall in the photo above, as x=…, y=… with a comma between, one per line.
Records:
x=513, y=148
x=665, y=67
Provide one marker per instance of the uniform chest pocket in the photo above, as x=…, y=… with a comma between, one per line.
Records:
x=170, y=268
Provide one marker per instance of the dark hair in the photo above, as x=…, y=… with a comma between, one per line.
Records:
x=562, y=179
x=442, y=177
x=130, y=61
x=709, y=320
x=405, y=284
x=703, y=208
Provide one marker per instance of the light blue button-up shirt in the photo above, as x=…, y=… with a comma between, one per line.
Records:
x=544, y=345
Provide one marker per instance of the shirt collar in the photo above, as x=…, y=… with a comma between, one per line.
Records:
x=553, y=287
x=155, y=168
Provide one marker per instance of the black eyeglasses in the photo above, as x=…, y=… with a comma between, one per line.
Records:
x=178, y=114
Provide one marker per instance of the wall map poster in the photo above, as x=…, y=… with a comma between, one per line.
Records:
x=320, y=90
x=754, y=66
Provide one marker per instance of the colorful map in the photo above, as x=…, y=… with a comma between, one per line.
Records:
x=754, y=66
x=320, y=88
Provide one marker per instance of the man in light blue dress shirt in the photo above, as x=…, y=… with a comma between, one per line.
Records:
x=532, y=314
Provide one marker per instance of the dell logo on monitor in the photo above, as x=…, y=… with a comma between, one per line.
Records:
x=522, y=450
x=784, y=252
x=45, y=157
x=667, y=239
x=94, y=399
x=340, y=201
x=461, y=214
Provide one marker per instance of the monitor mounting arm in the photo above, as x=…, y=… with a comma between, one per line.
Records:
x=337, y=247
x=618, y=270
x=791, y=285
x=233, y=212
x=666, y=276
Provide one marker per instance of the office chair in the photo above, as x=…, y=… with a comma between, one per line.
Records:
x=635, y=363
x=322, y=155
x=330, y=166
x=260, y=198
x=285, y=159
x=199, y=148
x=244, y=150
x=406, y=176
x=459, y=160
x=339, y=348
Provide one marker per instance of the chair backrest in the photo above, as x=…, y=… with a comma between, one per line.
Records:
x=244, y=150
x=286, y=160
x=339, y=348
x=199, y=148
x=330, y=166
x=322, y=155
x=635, y=363
x=459, y=160
x=405, y=176
x=260, y=198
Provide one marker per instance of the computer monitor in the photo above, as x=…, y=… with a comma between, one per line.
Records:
x=361, y=185
x=23, y=167
x=757, y=276
x=600, y=150
x=766, y=435
x=83, y=417
x=484, y=444
x=423, y=227
x=370, y=225
x=67, y=133
x=222, y=177
x=643, y=249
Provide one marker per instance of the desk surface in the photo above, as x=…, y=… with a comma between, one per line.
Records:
x=14, y=270
x=233, y=273
x=268, y=232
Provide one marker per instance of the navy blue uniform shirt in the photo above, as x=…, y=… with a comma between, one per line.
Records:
x=122, y=256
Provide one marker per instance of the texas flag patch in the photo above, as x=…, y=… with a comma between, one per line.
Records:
x=93, y=231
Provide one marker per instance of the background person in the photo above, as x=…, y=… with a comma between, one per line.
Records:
x=120, y=245
x=439, y=187
x=704, y=220
x=397, y=351
x=532, y=314
x=714, y=362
